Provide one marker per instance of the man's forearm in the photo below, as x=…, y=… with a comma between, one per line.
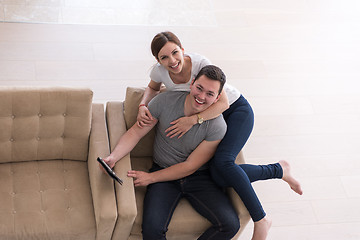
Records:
x=126, y=143
x=174, y=172
x=202, y=154
x=129, y=140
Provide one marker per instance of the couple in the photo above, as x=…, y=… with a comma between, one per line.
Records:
x=180, y=167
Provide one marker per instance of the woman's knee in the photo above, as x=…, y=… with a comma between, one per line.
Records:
x=224, y=158
x=222, y=164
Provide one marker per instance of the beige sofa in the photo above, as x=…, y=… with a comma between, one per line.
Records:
x=50, y=183
x=186, y=222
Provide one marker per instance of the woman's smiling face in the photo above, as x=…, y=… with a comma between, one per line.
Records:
x=171, y=56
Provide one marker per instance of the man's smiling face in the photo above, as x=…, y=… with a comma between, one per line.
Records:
x=203, y=93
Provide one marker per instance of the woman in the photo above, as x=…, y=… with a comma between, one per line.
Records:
x=175, y=70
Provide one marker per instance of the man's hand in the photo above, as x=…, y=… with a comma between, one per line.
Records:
x=140, y=178
x=109, y=161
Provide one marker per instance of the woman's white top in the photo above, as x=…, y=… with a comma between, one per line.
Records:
x=160, y=74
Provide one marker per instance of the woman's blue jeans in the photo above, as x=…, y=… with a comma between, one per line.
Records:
x=206, y=197
x=240, y=121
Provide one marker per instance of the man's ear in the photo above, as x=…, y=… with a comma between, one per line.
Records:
x=192, y=84
x=217, y=98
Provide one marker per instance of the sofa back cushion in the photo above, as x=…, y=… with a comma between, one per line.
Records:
x=131, y=106
x=44, y=123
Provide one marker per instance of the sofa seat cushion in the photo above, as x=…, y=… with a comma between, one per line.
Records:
x=185, y=221
x=49, y=199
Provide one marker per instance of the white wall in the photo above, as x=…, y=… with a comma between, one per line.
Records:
x=297, y=62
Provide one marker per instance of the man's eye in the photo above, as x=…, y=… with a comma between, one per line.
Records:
x=210, y=94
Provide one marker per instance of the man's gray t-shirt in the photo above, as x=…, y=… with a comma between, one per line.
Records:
x=167, y=107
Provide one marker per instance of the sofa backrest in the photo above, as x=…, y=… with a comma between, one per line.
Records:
x=131, y=106
x=44, y=123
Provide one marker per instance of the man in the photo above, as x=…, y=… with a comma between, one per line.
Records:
x=180, y=168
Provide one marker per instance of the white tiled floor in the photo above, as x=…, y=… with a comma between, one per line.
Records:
x=297, y=62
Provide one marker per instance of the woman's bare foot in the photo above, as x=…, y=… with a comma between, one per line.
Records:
x=287, y=177
x=261, y=229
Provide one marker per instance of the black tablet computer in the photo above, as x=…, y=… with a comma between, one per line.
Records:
x=109, y=171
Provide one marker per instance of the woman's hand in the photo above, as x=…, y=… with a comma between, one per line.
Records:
x=180, y=126
x=144, y=116
x=140, y=178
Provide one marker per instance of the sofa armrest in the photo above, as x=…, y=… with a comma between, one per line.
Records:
x=102, y=187
x=125, y=194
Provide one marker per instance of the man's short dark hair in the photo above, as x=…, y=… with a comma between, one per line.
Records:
x=214, y=73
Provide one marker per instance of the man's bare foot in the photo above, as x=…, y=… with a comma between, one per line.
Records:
x=287, y=177
x=261, y=229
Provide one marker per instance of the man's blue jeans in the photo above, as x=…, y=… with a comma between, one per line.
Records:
x=204, y=195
